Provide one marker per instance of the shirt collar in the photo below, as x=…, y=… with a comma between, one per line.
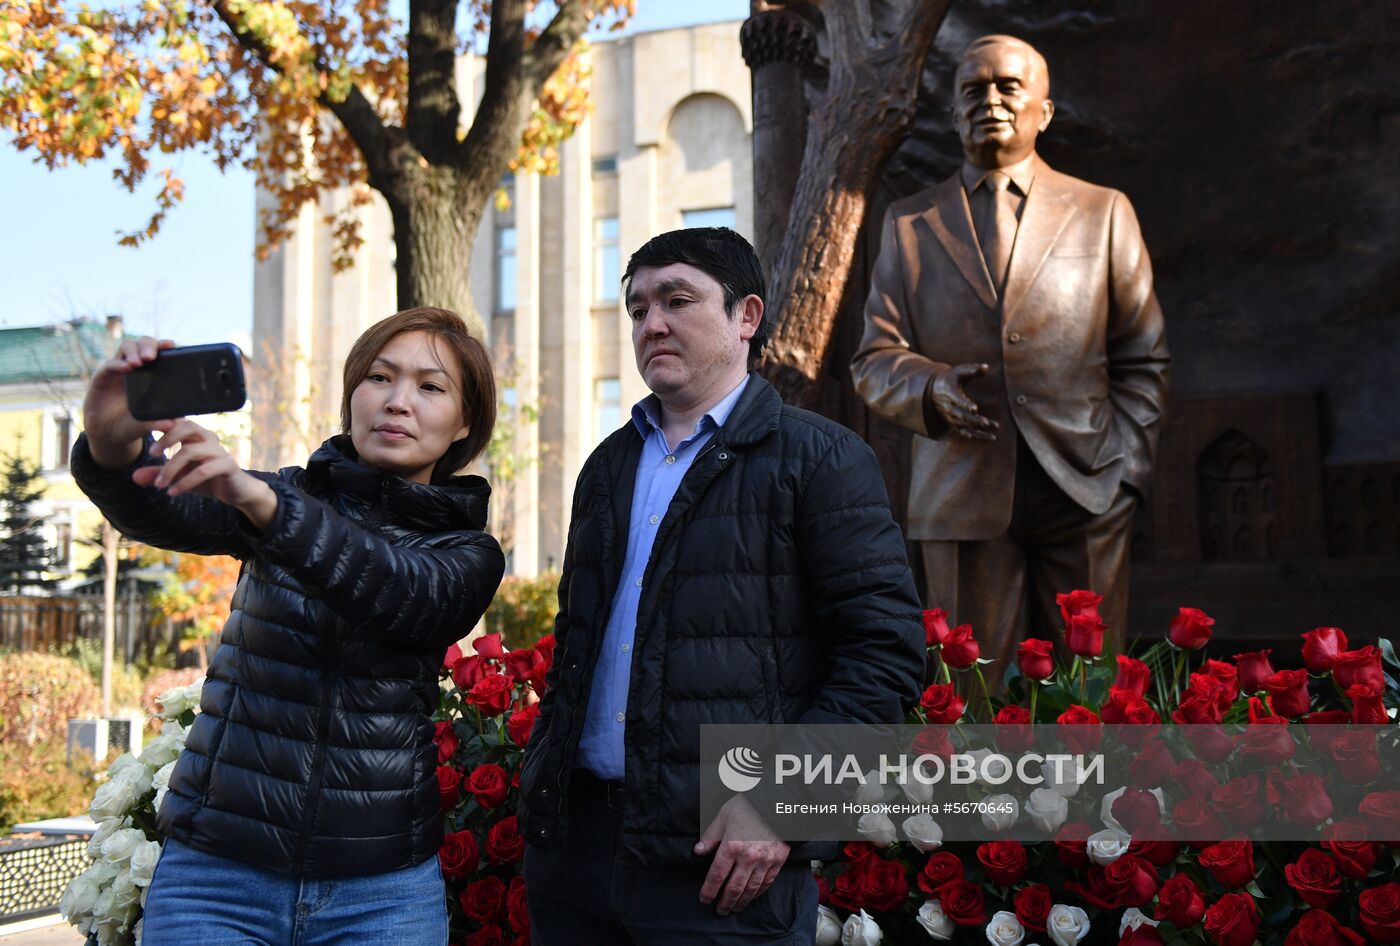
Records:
x=646, y=413
x=1022, y=174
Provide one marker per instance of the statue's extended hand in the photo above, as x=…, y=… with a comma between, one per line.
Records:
x=955, y=407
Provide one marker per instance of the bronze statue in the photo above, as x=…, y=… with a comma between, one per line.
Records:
x=1012, y=326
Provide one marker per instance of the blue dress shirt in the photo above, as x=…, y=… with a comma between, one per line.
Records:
x=659, y=473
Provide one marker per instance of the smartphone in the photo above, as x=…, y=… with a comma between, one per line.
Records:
x=198, y=379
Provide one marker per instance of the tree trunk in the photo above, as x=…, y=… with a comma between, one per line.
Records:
x=435, y=222
x=109, y=611
x=865, y=114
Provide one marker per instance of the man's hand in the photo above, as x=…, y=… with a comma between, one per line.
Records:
x=746, y=851
x=958, y=410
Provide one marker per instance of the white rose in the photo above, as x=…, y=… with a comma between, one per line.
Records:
x=136, y=931
x=860, y=930
x=877, y=829
x=1047, y=809
x=1005, y=929
x=176, y=700
x=1002, y=813
x=118, y=848
x=997, y=769
x=934, y=921
x=80, y=896
x=1106, y=806
x=117, y=795
x=122, y=764
x=828, y=926
x=1063, y=778
x=125, y=896
x=1067, y=925
x=161, y=783
x=871, y=791
x=143, y=863
x=105, y=829
x=1108, y=845
x=923, y=832
x=164, y=748
x=917, y=790
x=1132, y=919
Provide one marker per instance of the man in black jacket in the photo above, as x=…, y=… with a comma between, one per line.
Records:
x=730, y=560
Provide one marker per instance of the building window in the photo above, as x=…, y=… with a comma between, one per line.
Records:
x=710, y=217
x=607, y=406
x=505, y=269
x=605, y=260
x=63, y=543
x=607, y=164
x=63, y=440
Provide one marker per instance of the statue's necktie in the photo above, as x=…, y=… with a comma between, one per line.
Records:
x=999, y=228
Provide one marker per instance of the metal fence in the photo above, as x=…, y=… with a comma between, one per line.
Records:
x=34, y=873
x=33, y=622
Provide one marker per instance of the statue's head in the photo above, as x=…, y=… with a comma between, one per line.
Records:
x=1001, y=100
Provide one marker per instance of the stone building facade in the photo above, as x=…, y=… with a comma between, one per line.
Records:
x=668, y=145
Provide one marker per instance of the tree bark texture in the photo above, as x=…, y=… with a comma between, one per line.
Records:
x=865, y=112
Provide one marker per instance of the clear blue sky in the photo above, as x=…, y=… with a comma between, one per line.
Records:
x=193, y=282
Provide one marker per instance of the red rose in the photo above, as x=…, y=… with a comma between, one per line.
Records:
x=1354, y=753
x=1231, y=861
x=1306, y=801
x=934, y=741
x=1380, y=912
x=1314, y=877
x=960, y=651
x=1156, y=853
x=489, y=646
x=1359, y=666
x=1133, y=675
x=1032, y=904
x=1036, y=658
x=1321, y=646
x=545, y=645
x=935, y=627
x=469, y=671
x=1190, y=629
x=1349, y=843
x=458, y=854
x=1239, y=801
x=1180, y=903
x=962, y=902
x=520, y=723
x=1080, y=728
x=848, y=893
x=489, y=784
x=1196, y=821
x=859, y=854
x=1193, y=778
x=1144, y=934
x=941, y=868
x=1138, y=812
x=883, y=886
x=1071, y=843
x=1320, y=928
x=1129, y=881
x=449, y=787
x=1004, y=861
x=485, y=899
x=492, y=695
x=524, y=664
x=1126, y=707
x=1267, y=742
x=517, y=906
x=1253, y=667
x=1232, y=920
x=1084, y=635
x=488, y=935
x=1227, y=675
x=1151, y=767
x=1078, y=602
x=942, y=704
x=504, y=844
x=446, y=740
x=1382, y=813
x=1320, y=731
x=1367, y=708
x=1014, y=732
x=1198, y=709
x=450, y=658
x=1288, y=692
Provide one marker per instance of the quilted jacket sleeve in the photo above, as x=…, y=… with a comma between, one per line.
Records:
x=411, y=595
x=855, y=564
x=185, y=523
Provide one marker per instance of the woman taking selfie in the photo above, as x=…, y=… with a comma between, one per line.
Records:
x=304, y=808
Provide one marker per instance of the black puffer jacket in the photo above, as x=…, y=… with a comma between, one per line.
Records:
x=778, y=590
x=313, y=753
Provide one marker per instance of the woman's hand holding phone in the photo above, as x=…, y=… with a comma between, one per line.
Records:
x=202, y=466
x=114, y=436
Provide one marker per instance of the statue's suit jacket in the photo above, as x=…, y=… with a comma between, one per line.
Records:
x=1076, y=348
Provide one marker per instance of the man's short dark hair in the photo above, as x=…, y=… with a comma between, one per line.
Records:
x=718, y=252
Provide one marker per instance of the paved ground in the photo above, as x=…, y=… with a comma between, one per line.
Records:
x=59, y=935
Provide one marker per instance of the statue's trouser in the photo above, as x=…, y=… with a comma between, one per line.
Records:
x=1005, y=587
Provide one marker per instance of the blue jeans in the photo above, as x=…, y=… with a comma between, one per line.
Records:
x=197, y=898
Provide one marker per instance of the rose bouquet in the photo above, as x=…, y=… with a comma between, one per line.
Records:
x=489, y=705
x=1174, y=866
x=104, y=902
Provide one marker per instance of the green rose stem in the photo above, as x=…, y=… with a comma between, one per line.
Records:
x=942, y=664
x=1083, y=682
x=1035, y=691
x=986, y=693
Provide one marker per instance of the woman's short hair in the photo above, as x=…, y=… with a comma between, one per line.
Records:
x=478, y=378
